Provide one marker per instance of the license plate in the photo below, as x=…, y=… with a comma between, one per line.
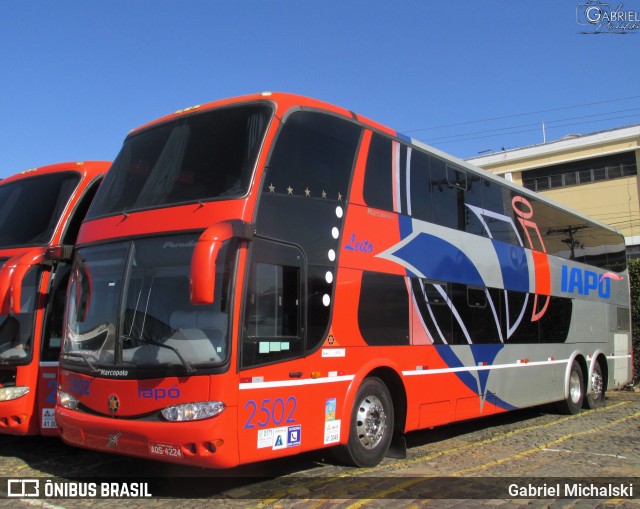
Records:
x=170, y=450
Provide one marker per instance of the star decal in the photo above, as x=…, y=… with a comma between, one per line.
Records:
x=307, y=192
x=289, y=190
x=339, y=197
x=272, y=188
x=324, y=194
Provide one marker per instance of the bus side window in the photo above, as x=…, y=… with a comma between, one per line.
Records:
x=420, y=178
x=448, y=209
x=378, y=184
x=501, y=223
x=273, y=310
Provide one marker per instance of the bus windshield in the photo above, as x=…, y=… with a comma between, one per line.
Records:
x=129, y=308
x=30, y=208
x=200, y=157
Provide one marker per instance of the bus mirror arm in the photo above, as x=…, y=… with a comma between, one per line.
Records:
x=11, y=275
x=60, y=253
x=20, y=269
x=205, y=255
x=13, y=271
x=5, y=286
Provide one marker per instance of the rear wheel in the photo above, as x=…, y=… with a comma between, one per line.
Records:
x=595, y=394
x=370, y=427
x=573, y=402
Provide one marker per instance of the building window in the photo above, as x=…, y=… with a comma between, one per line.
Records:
x=581, y=172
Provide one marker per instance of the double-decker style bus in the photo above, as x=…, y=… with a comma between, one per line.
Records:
x=40, y=215
x=270, y=274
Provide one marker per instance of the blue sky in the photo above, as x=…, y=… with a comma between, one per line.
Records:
x=76, y=76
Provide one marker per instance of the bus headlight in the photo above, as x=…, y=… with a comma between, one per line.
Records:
x=66, y=400
x=193, y=411
x=9, y=393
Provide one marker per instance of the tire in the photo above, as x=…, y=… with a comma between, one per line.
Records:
x=594, y=397
x=573, y=402
x=370, y=426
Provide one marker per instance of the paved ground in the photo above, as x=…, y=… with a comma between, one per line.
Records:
x=495, y=462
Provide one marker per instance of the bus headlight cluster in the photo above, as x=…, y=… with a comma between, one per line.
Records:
x=193, y=411
x=66, y=400
x=9, y=393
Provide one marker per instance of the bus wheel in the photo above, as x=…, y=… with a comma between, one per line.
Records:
x=595, y=395
x=371, y=426
x=573, y=403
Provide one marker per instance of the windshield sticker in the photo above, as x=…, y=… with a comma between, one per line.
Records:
x=273, y=346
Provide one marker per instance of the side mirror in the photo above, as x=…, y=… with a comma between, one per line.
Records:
x=203, y=264
x=24, y=263
x=6, y=271
x=13, y=271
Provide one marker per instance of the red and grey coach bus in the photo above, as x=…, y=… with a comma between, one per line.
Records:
x=270, y=274
x=40, y=214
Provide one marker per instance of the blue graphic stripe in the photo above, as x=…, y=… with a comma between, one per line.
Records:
x=439, y=260
x=513, y=264
x=481, y=353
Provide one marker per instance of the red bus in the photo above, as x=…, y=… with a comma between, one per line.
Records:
x=270, y=274
x=40, y=214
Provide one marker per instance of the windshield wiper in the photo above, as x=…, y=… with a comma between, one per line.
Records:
x=84, y=358
x=188, y=367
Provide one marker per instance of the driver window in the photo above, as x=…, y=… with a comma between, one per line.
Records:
x=273, y=311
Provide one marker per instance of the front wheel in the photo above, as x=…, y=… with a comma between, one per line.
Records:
x=370, y=427
x=595, y=394
x=573, y=402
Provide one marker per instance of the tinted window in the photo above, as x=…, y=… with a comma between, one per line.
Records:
x=198, y=157
x=303, y=197
x=567, y=236
x=378, y=183
x=401, y=179
x=313, y=157
x=432, y=300
x=456, y=177
x=383, y=313
x=420, y=178
x=448, y=201
x=473, y=199
x=273, y=312
x=31, y=208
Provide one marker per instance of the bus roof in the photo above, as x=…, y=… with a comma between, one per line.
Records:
x=283, y=101
x=88, y=169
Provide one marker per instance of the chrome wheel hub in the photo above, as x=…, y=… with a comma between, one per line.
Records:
x=575, y=388
x=596, y=385
x=371, y=422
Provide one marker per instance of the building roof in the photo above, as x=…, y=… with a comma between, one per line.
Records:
x=566, y=144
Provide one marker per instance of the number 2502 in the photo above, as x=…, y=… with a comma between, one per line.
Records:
x=275, y=412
